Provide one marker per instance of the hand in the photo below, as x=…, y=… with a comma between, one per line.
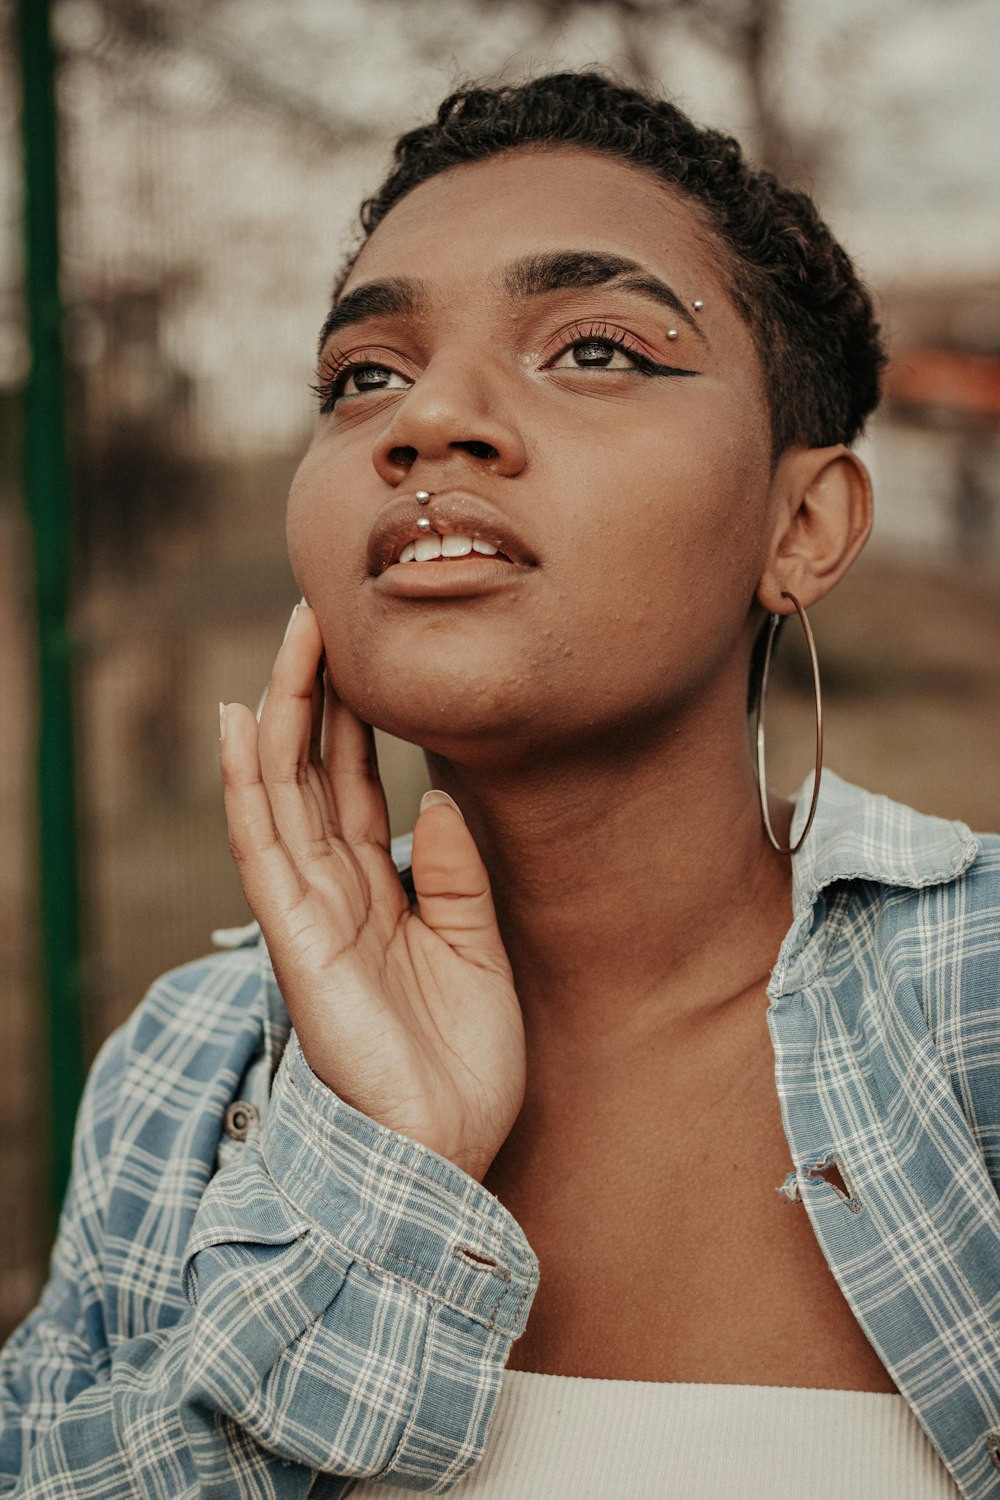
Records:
x=408, y=1015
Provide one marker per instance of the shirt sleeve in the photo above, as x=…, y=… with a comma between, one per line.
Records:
x=351, y=1298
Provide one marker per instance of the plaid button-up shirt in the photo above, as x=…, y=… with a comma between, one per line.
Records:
x=311, y=1297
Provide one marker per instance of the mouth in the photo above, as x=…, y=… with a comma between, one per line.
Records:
x=456, y=532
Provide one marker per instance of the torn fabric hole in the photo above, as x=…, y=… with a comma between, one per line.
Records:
x=828, y=1168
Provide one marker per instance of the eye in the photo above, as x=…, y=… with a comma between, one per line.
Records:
x=595, y=354
x=340, y=381
x=605, y=346
x=358, y=380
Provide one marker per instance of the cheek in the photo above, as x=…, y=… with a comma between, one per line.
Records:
x=317, y=536
x=300, y=523
x=667, y=580
x=695, y=518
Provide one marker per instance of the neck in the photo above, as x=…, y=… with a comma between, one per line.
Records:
x=632, y=887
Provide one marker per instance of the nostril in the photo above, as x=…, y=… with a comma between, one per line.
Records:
x=405, y=458
x=477, y=449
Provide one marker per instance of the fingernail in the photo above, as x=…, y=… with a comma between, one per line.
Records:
x=222, y=721
x=291, y=621
x=437, y=798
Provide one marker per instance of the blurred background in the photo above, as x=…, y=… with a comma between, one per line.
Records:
x=212, y=154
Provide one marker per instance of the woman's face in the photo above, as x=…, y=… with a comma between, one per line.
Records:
x=507, y=341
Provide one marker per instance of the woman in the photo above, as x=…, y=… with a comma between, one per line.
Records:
x=586, y=396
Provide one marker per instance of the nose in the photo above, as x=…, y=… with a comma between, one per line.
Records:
x=451, y=415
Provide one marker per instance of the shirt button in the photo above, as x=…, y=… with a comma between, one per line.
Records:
x=993, y=1447
x=240, y=1116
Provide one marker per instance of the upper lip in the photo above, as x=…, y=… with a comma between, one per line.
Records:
x=455, y=512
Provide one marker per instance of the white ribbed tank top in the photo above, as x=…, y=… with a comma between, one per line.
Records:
x=562, y=1437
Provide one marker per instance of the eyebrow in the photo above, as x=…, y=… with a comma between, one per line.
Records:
x=399, y=297
x=567, y=270
x=529, y=276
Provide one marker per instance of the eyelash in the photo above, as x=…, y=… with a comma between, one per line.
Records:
x=616, y=338
x=334, y=371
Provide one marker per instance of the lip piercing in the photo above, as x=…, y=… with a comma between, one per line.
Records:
x=425, y=524
x=422, y=496
x=671, y=333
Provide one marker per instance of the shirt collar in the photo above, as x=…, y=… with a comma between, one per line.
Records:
x=860, y=836
x=857, y=835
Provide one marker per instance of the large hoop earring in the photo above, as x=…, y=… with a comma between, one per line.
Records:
x=817, y=693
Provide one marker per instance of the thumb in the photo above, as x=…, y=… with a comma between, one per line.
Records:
x=451, y=882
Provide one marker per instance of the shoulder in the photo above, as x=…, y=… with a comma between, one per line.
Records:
x=178, y=1058
x=912, y=908
x=933, y=951
x=200, y=1010
x=949, y=927
x=909, y=948
x=937, y=931
x=942, y=945
x=150, y=1118
x=981, y=880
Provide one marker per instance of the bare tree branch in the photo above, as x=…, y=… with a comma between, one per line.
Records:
x=154, y=28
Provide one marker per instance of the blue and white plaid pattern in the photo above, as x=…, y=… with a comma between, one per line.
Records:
x=329, y=1299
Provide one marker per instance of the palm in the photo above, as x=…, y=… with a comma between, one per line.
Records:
x=409, y=1016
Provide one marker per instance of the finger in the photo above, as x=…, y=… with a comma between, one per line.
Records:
x=452, y=885
x=303, y=815
x=316, y=709
x=352, y=766
x=316, y=774
x=269, y=877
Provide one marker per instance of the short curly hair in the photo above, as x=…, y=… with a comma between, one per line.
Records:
x=795, y=287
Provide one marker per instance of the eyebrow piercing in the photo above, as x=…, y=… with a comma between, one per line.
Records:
x=425, y=524
x=671, y=333
x=698, y=305
x=422, y=496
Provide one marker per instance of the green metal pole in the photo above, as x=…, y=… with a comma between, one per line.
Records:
x=47, y=497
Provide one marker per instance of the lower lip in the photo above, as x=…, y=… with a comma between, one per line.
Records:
x=450, y=578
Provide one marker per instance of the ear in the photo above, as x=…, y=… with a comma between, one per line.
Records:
x=823, y=502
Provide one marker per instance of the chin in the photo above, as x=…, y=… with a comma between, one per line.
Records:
x=482, y=717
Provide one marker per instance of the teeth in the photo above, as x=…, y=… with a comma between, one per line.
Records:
x=429, y=547
x=456, y=546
